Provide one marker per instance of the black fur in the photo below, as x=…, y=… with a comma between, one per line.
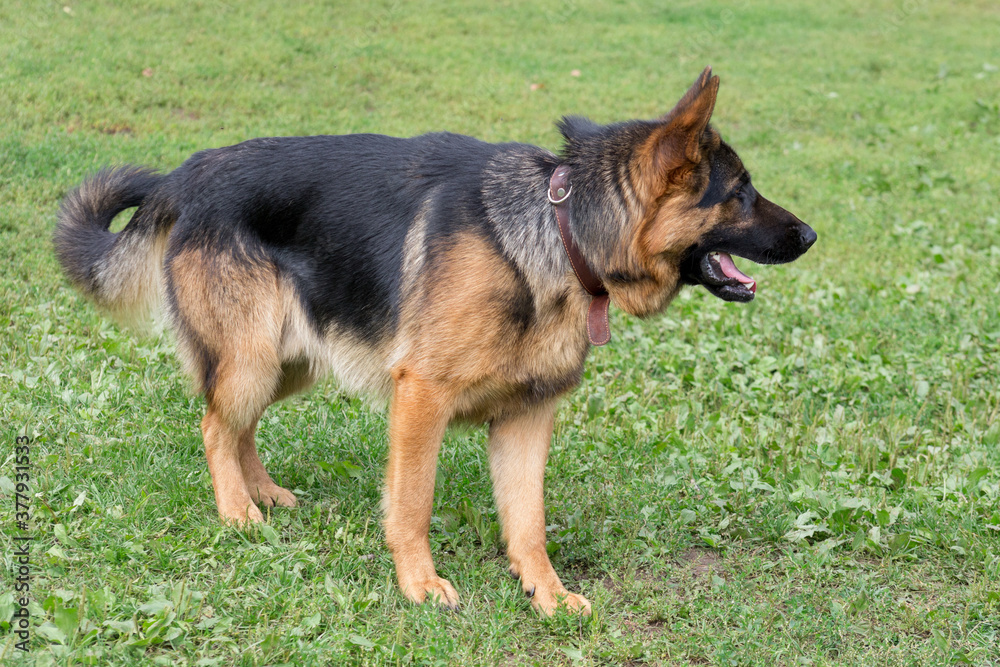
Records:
x=431, y=272
x=726, y=169
x=750, y=226
x=333, y=212
x=596, y=154
x=82, y=238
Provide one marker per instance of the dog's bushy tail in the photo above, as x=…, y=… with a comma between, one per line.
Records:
x=121, y=273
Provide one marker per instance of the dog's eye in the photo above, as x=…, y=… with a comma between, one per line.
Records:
x=738, y=192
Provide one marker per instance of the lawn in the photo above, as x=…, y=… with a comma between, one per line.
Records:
x=812, y=478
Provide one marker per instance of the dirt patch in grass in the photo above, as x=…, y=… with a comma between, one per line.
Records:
x=700, y=563
x=614, y=586
x=114, y=128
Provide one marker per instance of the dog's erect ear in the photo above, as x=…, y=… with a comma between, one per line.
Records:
x=691, y=115
x=676, y=143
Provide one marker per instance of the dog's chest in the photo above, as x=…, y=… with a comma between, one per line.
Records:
x=538, y=364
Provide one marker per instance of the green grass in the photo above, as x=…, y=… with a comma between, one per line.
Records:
x=813, y=478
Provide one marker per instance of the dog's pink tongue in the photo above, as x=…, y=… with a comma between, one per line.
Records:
x=729, y=268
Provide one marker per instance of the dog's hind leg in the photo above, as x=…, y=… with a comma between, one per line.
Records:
x=262, y=488
x=232, y=497
x=243, y=385
x=228, y=315
x=295, y=377
x=418, y=418
x=519, y=448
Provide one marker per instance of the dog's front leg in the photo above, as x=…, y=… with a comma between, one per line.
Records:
x=519, y=449
x=418, y=417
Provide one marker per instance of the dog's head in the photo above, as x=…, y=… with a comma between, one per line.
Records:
x=664, y=203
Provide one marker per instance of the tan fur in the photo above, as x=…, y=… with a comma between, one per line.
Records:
x=307, y=356
x=222, y=452
x=415, y=249
x=126, y=281
x=451, y=327
x=260, y=486
x=488, y=326
x=460, y=363
x=519, y=447
x=457, y=354
x=131, y=279
x=664, y=173
x=233, y=310
x=669, y=225
x=418, y=417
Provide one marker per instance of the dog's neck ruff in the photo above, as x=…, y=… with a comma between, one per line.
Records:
x=598, y=328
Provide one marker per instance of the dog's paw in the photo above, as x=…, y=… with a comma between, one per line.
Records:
x=436, y=589
x=274, y=496
x=547, y=602
x=241, y=516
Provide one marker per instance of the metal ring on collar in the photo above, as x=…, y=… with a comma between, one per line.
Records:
x=562, y=199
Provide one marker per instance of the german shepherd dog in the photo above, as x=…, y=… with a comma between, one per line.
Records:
x=431, y=273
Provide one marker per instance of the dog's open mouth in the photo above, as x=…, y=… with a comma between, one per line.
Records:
x=721, y=277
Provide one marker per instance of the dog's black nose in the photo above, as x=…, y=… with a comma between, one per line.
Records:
x=808, y=237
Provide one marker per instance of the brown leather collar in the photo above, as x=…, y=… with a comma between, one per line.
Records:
x=598, y=328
